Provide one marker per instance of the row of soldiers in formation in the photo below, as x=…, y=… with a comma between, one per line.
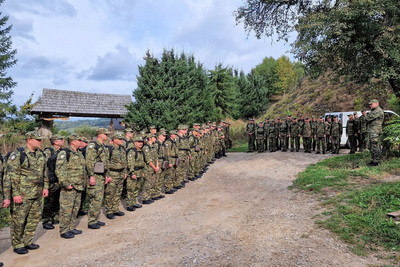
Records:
x=285, y=133
x=149, y=165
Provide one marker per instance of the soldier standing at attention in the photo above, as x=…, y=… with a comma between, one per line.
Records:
x=151, y=168
x=307, y=135
x=82, y=149
x=136, y=165
x=266, y=133
x=26, y=173
x=356, y=130
x=260, y=137
x=160, y=177
x=117, y=171
x=171, y=155
x=320, y=135
x=184, y=154
x=72, y=175
x=295, y=133
x=251, y=130
x=289, y=124
x=363, y=130
x=328, y=139
x=375, y=121
x=336, y=134
x=97, y=165
x=351, y=133
x=128, y=140
x=283, y=134
x=272, y=136
x=313, y=126
x=51, y=206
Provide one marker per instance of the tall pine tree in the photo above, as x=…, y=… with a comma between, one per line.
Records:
x=7, y=60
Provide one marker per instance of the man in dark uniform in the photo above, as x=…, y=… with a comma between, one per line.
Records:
x=251, y=134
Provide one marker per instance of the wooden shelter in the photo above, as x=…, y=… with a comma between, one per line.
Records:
x=62, y=104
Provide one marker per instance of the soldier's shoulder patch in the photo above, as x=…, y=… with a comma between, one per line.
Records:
x=62, y=156
x=91, y=145
x=146, y=149
x=130, y=154
x=12, y=157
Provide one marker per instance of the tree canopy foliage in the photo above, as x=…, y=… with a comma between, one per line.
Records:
x=356, y=38
x=7, y=60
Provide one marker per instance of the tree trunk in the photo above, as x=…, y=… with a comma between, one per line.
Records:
x=395, y=83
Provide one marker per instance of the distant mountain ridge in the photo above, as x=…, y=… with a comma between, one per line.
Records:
x=66, y=125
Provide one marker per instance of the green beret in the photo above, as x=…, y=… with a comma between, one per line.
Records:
x=34, y=135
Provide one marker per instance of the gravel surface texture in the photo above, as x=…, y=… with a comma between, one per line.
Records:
x=240, y=213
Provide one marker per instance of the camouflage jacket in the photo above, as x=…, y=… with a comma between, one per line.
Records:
x=160, y=152
x=136, y=163
x=350, y=128
x=251, y=128
x=183, y=146
x=117, y=160
x=295, y=129
x=283, y=129
x=150, y=155
x=128, y=144
x=266, y=129
x=260, y=132
x=320, y=129
x=336, y=129
x=363, y=124
x=307, y=130
x=328, y=127
x=272, y=131
x=94, y=155
x=27, y=179
x=171, y=150
x=375, y=120
x=71, y=171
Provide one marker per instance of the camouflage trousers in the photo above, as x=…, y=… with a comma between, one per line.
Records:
x=272, y=143
x=353, y=142
x=169, y=179
x=320, y=142
x=51, y=206
x=96, y=195
x=113, y=191
x=134, y=187
x=24, y=219
x=182, y=171
x=70, y=201
x=376, y=153
x=284, y=145
x=192, y=166
x=148, y=187
x=307, y=144
x=363, y=141
x=159, y=183
x=260, y=144
x=251, y=141
x=294, y=142
x=335, y=144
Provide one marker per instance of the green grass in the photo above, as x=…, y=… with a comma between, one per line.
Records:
x=239, y=147
x=357, y=206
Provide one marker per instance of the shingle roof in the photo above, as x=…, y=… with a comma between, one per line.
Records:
x=81, y=104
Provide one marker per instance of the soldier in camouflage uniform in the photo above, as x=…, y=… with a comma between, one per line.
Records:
x=97, y=154
x=272, y=137
x=260, y=137
x=72, y=176
x=171, y=154
x=251, y=130
x=160, y=177
x=283, y=134
x=374, y=125
x=307, y=134
x=266, y=133
x=184, y=154
x=151, y=169
x=363, y=130
x=357, y=130
x=336, y=134
x=295, y=132
x=5, y=189
x=289, y=126
x=28, y=185
x=351, y=133
x=128, y=140
x=328, y=139
x=117, y=171
x=137, y=173
x=51, y=205
x=313, y=126
x=320, y=135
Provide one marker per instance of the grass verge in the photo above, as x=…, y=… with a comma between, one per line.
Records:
x=356, y=199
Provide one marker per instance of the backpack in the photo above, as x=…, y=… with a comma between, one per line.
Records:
x=51, y=165
x=22, y=156
x=134, y=149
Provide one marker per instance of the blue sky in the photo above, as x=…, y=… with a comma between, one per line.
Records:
x=97, y=45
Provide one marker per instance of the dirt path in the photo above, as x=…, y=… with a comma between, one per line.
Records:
x=240, y=213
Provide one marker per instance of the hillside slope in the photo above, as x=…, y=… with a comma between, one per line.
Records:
x=326, y=94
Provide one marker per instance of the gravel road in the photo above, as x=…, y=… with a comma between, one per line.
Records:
x=240, y=213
